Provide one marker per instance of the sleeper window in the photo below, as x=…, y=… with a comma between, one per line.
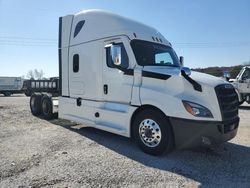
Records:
x=78, y=27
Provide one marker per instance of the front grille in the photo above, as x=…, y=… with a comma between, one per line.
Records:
x=228, y=101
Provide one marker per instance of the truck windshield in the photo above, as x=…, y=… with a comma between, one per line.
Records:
x=154, y=54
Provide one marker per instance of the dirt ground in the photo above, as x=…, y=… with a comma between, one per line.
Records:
x=39, y=153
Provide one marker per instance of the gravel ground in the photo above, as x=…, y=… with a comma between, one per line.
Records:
x=39, y=153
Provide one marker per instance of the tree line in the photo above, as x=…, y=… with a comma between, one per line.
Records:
x=219, y=71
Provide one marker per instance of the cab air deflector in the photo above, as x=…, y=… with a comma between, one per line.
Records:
x=155, y=75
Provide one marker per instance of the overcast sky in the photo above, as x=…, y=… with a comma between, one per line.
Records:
x=206, y=33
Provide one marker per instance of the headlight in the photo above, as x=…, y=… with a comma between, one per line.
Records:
x=197, y=110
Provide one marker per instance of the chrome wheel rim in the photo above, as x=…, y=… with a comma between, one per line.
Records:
x=150, y=133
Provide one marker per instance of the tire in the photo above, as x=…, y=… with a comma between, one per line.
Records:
x=153, y=125
x=7, y=94
x=35, y=104
x=47, y=107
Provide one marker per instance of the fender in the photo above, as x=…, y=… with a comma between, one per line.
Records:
x=163, y=102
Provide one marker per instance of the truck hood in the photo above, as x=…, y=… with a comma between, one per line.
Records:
x=201, y=78
x=207, y=79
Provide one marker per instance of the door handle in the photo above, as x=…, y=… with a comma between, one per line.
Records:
x=105, y=89
x=79, y=101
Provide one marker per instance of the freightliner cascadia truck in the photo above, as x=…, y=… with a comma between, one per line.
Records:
x=124, y=77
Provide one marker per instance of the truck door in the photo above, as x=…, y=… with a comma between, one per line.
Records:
x=244, y=83
x=117, y=76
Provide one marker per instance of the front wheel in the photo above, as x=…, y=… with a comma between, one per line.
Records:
x=152, y=132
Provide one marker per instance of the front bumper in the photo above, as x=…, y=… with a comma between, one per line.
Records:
x=193, y=133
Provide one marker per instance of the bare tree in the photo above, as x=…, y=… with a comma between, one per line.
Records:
x=30, y=75
x=38, y=74
x=41, y=74
x=35, y=74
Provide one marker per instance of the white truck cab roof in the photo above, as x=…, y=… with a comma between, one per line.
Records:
x=91, y=25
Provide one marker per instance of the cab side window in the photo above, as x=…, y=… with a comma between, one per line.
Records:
x=116, y=56
x=75, y=63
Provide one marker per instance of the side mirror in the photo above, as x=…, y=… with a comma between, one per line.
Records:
x=226, y=75
x=181, y=61
x=186, y=70
x=116, y=54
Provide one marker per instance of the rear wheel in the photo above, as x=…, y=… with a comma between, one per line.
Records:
x=152, y=132
x=35, y=104
x=47, y=107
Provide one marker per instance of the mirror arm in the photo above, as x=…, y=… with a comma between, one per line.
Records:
x=181, y=61
x=195, y=84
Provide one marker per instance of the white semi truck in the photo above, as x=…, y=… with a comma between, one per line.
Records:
x=124, y=77
x=10, y=85
x=242, y=85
